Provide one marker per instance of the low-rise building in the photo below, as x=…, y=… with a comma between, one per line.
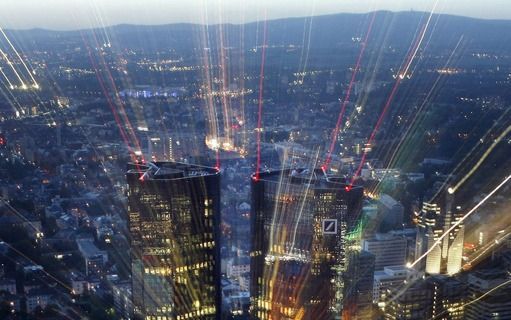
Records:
x=79, y=284
x=238, y=266
x=95, y=259
x=38, y=298
x=8, y=285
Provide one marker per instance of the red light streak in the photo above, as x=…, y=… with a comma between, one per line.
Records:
x=378, y=124
x=110, y=102
x=348, y=94
x=400, y=76
x=120, y=103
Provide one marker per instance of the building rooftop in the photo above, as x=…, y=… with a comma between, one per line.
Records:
x=388, y=201
x=169, y=170
x=88, y=248
x=316, y=178
x=490, y=274
x=241, y=261
x=394, y=271
x=384, y=237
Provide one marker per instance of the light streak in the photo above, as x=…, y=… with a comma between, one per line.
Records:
x=111, y=104
x=281, y=235
x=309, y=37
x=44, y=271
x=226, y=108
x=11, y=99
x=428, y=42
x=23, y=85
x=487, y=247
x=17, y=213
x=117, y=101
x=373, y=133
x=101, y=22
x=348, y=94
x=487, y=293
x=482, y=158
x=11, y=86
x=474, y=148
x=416, y=36
x=276, y=209
x=402, y=75
x=36, y=85
x=213, y=134
x=413, y=126
x=460, y=221
x=305, y=198
x=242, y=121
x=260, y=104
x=474, y=300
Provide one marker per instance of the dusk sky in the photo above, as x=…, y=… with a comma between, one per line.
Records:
x=75, y=14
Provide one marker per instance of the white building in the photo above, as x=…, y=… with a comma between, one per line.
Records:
x=237, y=267
x=389, y=250
x=389, y=279
x=443, y=257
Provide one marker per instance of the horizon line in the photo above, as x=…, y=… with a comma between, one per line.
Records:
x=250, y=22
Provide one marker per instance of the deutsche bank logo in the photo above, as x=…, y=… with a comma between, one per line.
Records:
x=329, y=226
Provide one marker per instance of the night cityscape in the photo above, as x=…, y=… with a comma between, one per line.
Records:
x=333, y=163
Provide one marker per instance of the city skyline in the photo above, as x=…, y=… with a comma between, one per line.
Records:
x=346, y=166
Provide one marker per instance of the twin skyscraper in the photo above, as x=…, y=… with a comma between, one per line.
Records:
x=301, y=226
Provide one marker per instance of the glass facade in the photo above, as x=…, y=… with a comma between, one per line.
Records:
x=445, y=257
x=300, y=222
x=174, y=221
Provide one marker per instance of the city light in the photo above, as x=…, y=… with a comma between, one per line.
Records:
x=211, y=160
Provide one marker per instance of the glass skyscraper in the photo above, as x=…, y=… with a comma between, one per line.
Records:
x=301, y=225
x=174, y=217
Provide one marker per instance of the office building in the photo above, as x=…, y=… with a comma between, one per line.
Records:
x=174, y=221
x=390, y=279
x=301, y=227
x=411, y=301
x=435, y=297
x=495, y=304
x=358, y=304
x=410, y=234
x=435, y=220
x=390, y=213
x=388, y=250
x=448, y=298
x=160, y=147
x=94, y=258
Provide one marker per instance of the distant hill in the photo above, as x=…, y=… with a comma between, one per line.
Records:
x=328, y=32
